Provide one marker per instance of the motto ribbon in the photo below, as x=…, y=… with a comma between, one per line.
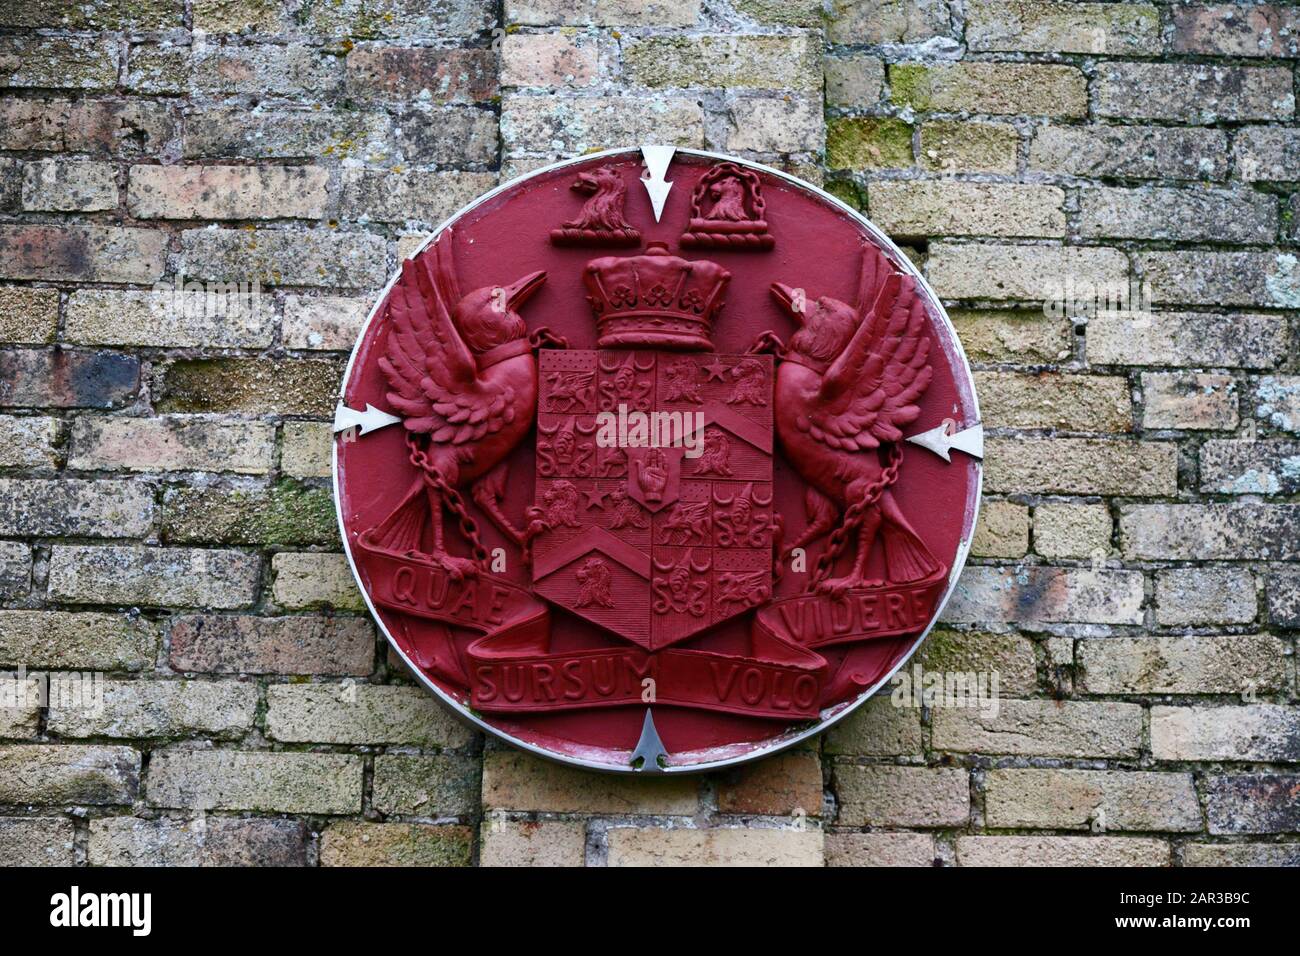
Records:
x=511, y=669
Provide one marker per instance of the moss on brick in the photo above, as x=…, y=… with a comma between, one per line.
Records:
x=847, y=191
x=287, y=513
x=257, y=386
x=868, y=142
x=910, y=85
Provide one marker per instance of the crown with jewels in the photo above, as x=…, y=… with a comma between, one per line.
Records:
x=655, y=300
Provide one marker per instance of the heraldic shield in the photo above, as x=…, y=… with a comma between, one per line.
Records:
x=654, y=485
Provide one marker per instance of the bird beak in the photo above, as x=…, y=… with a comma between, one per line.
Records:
x=517, y=293
x=786, y=296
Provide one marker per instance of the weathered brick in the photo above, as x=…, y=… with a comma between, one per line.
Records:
x=251, y=386
x=429, y=134
x=329, y=646
x=1041, y=728
x=922, y=209
x=45, y=509
x=533, y=843
x=323, y=322
x=996, y=88
x=351, y=713
x=1233, y=30
x=1185, y=215
x=1137, y=152
x=237, y=16
x=67, y=379
x=1193, y=93
x=51, y=775
x=868, y=142
x=177, y=577
x=69, y=186
x=788, y=783
x=1253, y=803
x=398, y=18
x=63, y=640
x=1080, y=799
x=1027, y=338
x=437, y=786
x=246, y=780
x=565, y=126
x=156, y=708
x=20, y=708
x=1250, y=467
x=949, y=146
x=79, y=253
x=880, y=849
x=1044, y=595
x=771, y=124
x=985, y=271
x=1191, y=664
x=904, y=21
x=70, y=63
x=877, y=729
x=284, y=257
x=306, y=449
x=1072, y=530
x=1034, y=851
x=28, y=315
x=549, y=60
x=884, y=795
x=109, y=14
x=15, y=568
x=784, y=62
x=1191, y=596
x=232, y=132
x=1081, y=466
x=227, y=192
x=351, y=843
x=856, y=79
x=1187, y=338
x=1263, y=153
x=101, y=127
x=1010, y=656
x=171, y=443
x=1189, y=400
x=631, y=13
x=1210, y=532
x=305, y=579
x=631, y=846
x=404, y=73
x=37, y=841
x=417, y=196
x=518, y=781
x=1277, y=402
x=1002, y=530
x=206, y=841
x=294, y=70
x=1241, y=854
x=225, y=317
x=287, y=513
x=1094, y=403
x=29, y=441
x=1284, y=595
x=1115, y=29
x=1267, y=733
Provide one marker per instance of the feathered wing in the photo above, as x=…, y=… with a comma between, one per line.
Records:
x=872, y=388
x=432, y=376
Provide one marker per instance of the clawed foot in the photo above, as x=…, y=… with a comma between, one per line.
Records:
x=836, y=587
x=457, y=568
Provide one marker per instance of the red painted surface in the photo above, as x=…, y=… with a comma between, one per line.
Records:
x=623, y=564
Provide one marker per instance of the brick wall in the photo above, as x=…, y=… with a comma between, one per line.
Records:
x=165, y=515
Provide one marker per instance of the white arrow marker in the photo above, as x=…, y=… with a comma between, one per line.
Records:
x=657, y=159
x=369, y=420
x=937, y=439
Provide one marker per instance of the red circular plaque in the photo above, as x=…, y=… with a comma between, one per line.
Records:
x=657, y=492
